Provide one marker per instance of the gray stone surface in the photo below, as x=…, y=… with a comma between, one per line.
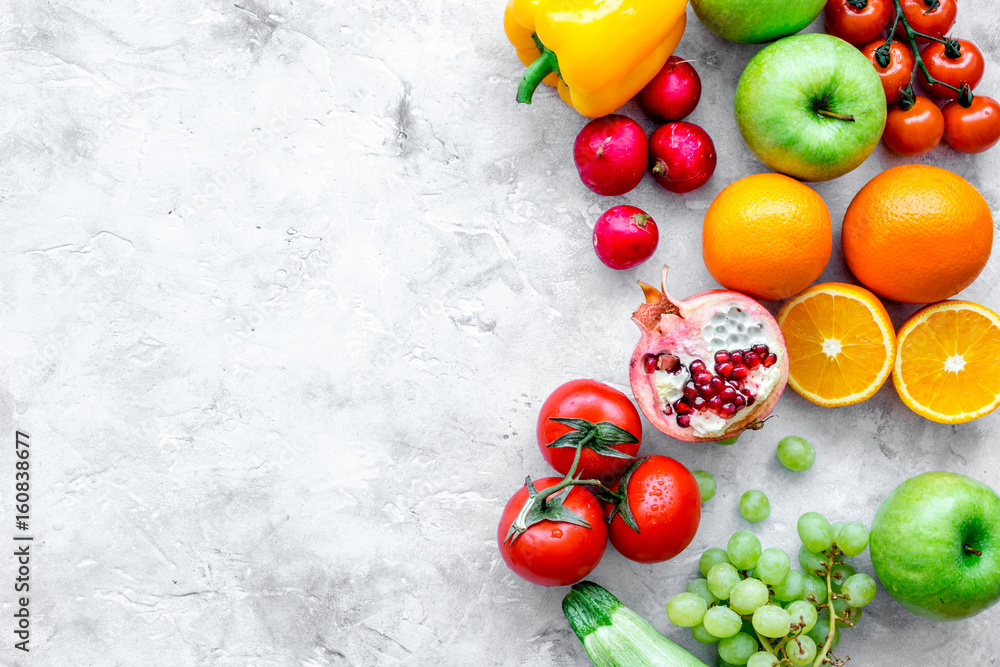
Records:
x=282, y=287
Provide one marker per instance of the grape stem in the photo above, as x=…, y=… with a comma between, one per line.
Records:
x=766, y=643
x=821, y=656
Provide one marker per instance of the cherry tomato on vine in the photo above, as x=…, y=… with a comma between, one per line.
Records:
x=664, y=499
x=554, y=553
x=973, y=129
x=931, y=17
x=967, y=68
x=857, y=21
x=896, y=75
x=593, y=402
x=915, y=131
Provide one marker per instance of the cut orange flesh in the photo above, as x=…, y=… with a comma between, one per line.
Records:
x=948, y=365
x=840, y=343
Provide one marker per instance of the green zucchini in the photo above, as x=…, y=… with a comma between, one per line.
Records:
x=615, y=636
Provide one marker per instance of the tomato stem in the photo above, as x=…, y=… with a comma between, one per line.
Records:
x=911, y=35
x=568, y=479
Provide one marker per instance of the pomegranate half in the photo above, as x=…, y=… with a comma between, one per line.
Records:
x=708, y=367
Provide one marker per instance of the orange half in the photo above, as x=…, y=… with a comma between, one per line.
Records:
x=948, y=365
x=840, y=341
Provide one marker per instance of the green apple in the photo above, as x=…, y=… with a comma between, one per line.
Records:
x=935, y=545
x=810, y=106
x=756, y=21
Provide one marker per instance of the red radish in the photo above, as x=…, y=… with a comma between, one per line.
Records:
x=625, y=236
x=673, y=93
x=706, y=367
x=611, y=154
x=682, y=156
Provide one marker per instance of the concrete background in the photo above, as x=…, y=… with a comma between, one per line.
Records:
x=283, y=285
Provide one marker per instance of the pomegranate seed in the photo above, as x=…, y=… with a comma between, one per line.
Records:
x=717, y=385
x=770, y=360
x=702, y=377
x=761, y=350
x=736, y=357
x=740, y=372
x=721, y=356
x=750, y=399
x=728, y=395
x=751, y=360
x=667, y=410
x=740, y=401
x=697, y=365
x=669, y=363
x=714, y=403
x=682, y=407
x=683, y=420
x=728, y=410
x=698, y=403
x=724, y=368
x=690, y=390
x=705, y=389
x=649, y=363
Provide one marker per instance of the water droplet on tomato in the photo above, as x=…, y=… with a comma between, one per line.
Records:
x=556, y=533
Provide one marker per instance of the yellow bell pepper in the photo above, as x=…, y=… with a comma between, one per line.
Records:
x=597, y=53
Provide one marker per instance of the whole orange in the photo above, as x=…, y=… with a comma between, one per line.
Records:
x=767, y=235
x=917, y=234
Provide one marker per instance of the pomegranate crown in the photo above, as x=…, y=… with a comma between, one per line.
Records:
x=657, y=304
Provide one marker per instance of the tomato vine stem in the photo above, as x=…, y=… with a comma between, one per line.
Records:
x=568, y=479
x=911, y=36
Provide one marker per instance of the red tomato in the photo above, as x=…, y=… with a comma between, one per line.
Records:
x=896, y=76
x=973, y=129
x=857, y=21
x=923, y=16
x=967, y=68
x=915, y=131
x=666, y=503
x=595, y=402
x=554, y=553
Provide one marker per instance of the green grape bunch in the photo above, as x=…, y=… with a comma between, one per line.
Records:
x=762, y=613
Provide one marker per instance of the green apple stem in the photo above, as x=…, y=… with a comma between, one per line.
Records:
x=970, y=550
x=821, y=656
x=838, y=116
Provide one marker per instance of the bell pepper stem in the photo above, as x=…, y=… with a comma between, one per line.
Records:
x=545, y=64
